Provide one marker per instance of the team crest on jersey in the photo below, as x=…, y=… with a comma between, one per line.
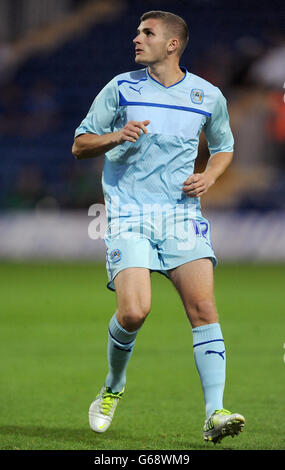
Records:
x=197, y=96
x=115, y=255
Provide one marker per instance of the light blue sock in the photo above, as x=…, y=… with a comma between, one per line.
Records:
x=210, y=359
x=120, y=347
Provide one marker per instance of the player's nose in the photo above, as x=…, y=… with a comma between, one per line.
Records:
x=136, y=40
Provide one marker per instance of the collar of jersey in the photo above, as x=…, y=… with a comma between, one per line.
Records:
x=171, y=86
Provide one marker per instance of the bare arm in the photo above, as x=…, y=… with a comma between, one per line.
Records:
x=94, y=145
x=199, y=183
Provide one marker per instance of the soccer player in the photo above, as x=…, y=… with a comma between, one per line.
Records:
x=147, y=122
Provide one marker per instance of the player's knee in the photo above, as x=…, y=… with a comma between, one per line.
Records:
x=132, y=316
x=203, y=312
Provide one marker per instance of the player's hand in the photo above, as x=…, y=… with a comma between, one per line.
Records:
x=198, y=184
x=132, y=131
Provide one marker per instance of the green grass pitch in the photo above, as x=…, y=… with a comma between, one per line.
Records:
x=53, y=341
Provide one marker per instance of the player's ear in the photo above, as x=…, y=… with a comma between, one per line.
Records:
x=173, y=45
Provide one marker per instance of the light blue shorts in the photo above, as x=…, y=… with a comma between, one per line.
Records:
x=159, y=245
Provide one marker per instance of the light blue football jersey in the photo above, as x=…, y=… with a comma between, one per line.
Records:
x=153, y=170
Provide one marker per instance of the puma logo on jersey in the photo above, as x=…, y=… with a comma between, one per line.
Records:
x=216, y=352
x=139, y=90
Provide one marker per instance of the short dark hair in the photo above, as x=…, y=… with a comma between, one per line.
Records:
x=174, y=22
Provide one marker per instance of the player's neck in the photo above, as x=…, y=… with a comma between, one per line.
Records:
x=165, y=74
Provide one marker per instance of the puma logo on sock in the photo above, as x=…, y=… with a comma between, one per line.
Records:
x=216, y=352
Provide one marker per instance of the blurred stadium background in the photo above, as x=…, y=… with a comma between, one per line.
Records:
x=56, y=55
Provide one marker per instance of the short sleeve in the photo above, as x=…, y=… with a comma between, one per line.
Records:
x=217, y=128
x=101, y=115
